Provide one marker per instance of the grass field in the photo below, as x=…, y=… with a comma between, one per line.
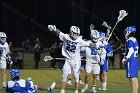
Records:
x=117, y=83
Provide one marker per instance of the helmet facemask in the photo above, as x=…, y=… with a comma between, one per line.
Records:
x=74, y=32
x=94, y=35
x=129, y=30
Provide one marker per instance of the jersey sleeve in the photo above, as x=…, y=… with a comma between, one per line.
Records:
x=84, y=43
x=108, y=48
x=61, y=36
x=28, y=84
x=130, y=44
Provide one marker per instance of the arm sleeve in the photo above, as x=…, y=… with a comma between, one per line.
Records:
x=61, y=36
x=103, y=54
x=108, y=48
x=130, y=49
x=28, y=85
x=84, y=43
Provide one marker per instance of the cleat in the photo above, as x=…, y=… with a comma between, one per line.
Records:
x=84, y=89
x=93, y=90
x=82, y=83
x=69, y=82
x=102, y=89
x=52, y=87
x=4, y=84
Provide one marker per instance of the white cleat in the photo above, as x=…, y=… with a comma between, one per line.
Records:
x=69, y=82
x=76, y=91
x=102, y=89
x=4, y=84
x=84, y=89
x=52, y=87
x=93, y=89
x=82, y=83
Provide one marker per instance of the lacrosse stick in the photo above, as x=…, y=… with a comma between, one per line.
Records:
x=122, y=14
x=48, y=58
x=116, y=49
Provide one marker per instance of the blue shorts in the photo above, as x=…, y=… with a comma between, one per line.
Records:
x=104, y=67
x=132, y=67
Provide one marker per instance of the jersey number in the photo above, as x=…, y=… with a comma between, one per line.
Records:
x=71, y=48
x=136, y=52
x=93, y=51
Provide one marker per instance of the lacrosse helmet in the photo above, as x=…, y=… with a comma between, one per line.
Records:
x=3, y=37
x=101, y=35
x=129, y=30
x=74, y=32
x=14, y=73
x=94, y=35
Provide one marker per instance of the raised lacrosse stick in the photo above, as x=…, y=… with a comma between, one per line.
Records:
x=122, y=14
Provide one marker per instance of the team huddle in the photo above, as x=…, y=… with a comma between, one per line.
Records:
x=96, y=52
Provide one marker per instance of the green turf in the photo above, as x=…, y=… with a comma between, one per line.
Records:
x=117, y=83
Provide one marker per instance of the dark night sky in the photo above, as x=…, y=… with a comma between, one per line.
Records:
x=23, y=19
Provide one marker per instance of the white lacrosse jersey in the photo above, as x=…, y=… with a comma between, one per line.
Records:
x=94, y=55
x=71, y=48
x=4, y=50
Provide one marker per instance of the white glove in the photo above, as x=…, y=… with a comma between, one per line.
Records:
x=91, y=27
x=110, y=54
x=101, y=62
x=124, y=60
x=29, y=79
x=52, y=27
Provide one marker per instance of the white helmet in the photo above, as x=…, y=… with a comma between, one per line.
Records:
x=74, y=32
x=3, y=37
x=94, y=35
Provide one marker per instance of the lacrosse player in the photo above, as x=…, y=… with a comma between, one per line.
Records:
x=71, y=50
x=104, y=67
x=131, y=57
x=4, y=54
x=94, y=58
x=17, y=85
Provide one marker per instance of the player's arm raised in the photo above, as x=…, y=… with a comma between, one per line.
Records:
x=53, y=28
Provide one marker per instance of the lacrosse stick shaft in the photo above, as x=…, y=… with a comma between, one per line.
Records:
x=63, y=59
x=112, y=30
x=117, y=49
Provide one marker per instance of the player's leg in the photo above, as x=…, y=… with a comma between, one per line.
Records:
x=96, y=71
x=3, y=71
x=44, y=88
x=65, y=72
x=88, y=69
x=134, y=85
x=82, y=72
x=103, y=76
x=76, y=70
x=69, y=78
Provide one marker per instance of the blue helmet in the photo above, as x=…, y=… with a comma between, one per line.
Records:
x=14, y=73
x=128, y=30
x=102, y=34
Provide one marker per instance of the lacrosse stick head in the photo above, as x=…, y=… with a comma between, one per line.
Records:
x=47, y=58
x=122, y=14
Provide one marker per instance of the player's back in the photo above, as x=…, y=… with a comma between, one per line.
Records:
x=132, y=43
x=20, y=86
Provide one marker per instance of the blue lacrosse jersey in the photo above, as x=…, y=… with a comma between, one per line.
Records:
x=20, y=86
x=132, y=63
x=104, y=67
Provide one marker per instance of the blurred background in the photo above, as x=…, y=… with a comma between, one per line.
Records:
x=63, y=13
x=25, y=21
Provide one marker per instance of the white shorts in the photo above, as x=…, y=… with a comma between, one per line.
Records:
x=2, y=64
x=72, y=66
x=95, y=68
